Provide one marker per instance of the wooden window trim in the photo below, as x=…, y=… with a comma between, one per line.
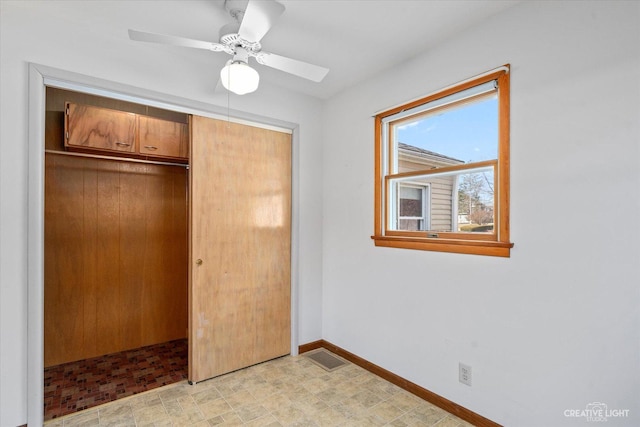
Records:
x=497, y=244
x=443, y=169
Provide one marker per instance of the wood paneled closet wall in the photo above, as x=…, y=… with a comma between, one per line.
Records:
x=116, y=245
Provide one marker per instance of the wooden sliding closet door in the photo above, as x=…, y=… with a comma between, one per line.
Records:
x=240, y=183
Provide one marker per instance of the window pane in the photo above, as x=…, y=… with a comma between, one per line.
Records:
x=410, y=201
x=410, y=224
x=463, y=133
x=475, y=202
x=456, y=201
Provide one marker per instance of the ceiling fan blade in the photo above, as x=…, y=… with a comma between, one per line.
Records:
x=174, y=40
x=259, y=18
x=292, y=66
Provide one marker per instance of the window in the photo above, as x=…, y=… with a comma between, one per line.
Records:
x=442, y=170
x=411, y=207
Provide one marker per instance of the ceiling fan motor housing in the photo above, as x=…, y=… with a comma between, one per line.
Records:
x=229, y=37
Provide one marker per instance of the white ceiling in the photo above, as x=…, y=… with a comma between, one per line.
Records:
x=355, y=39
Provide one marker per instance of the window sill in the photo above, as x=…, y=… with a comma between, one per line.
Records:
x=473, y=247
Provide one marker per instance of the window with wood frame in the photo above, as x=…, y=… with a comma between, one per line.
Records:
x=442, y=170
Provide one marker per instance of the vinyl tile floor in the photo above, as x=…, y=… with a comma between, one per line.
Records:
x=289, y=391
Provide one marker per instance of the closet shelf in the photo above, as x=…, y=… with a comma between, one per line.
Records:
x=125, y=159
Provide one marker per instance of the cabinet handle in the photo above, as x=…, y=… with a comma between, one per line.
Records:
x=199, y=262
x=150, y=147
x=123, y=144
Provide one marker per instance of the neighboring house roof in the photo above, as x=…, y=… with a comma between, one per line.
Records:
x=426, y=154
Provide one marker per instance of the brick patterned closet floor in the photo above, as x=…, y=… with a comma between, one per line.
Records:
x=75, y=386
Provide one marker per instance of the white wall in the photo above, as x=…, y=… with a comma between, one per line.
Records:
x=46, y=33
x=557, y=325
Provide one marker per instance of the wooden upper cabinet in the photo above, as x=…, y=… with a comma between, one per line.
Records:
x=89, y=128
x=99, y=128
x=162, y=138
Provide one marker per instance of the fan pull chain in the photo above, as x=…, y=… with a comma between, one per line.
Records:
x=228, y=100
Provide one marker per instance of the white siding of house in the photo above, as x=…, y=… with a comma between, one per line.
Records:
x=441, y=189
x=441, y=204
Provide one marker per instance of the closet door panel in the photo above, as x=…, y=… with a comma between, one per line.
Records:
x=240, y=230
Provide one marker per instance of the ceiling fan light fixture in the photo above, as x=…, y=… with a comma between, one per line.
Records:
x=239, y=78
x=241, y=38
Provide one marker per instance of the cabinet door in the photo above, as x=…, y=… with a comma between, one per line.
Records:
x=240, y=249
x=162, y=138
x=99, y=128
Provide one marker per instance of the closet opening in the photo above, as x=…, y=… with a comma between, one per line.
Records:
x=115, y=250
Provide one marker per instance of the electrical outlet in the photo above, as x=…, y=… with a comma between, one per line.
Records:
x=464, y=374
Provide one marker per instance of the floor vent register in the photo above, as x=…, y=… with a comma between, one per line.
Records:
x=325, y=359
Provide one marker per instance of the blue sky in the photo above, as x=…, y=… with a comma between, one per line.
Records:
x=468, y=133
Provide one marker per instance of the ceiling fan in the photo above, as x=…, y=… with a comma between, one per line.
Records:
x=241, y=39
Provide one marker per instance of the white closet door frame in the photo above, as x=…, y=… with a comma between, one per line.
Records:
x=40, y=77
